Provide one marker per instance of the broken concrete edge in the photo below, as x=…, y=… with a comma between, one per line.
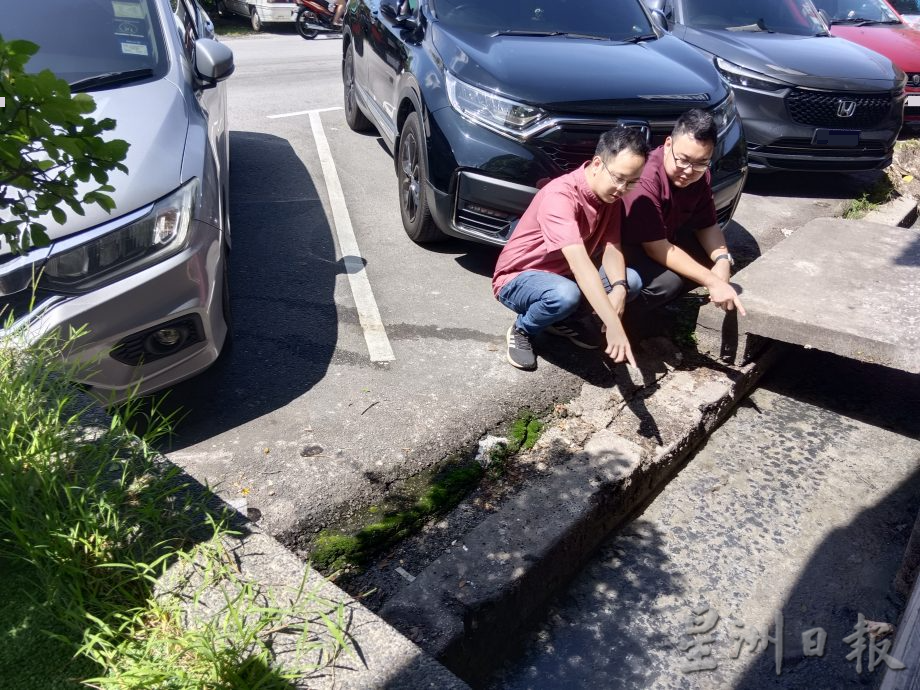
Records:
x=900, y=212
x=906, y=647
x=470, y=607
x=376, y=654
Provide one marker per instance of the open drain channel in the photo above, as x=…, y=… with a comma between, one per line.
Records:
x=789, y=524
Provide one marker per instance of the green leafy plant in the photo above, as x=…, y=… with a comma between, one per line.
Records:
x=52, y=153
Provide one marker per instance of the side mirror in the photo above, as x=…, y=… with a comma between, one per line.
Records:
x=213, y=61
x=655, y=5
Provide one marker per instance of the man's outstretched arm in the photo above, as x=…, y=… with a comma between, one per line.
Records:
x=676, y=259
x=589, y=282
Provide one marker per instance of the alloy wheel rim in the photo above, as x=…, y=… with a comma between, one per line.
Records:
x=410, y=170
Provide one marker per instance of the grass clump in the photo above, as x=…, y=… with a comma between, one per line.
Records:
x=881, y=192
x=91, y=521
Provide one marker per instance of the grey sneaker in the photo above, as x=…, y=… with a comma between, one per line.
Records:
x=520, y=351
x=582, y=332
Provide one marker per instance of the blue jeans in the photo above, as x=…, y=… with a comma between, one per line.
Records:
x=541, y=299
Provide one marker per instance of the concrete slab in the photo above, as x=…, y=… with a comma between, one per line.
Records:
x=847, y=287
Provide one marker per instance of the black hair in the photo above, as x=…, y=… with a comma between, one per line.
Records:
x=697, y=124
x=621, y=138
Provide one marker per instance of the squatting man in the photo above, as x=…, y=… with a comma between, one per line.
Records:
x=566, y=247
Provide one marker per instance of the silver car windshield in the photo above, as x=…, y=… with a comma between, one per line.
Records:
x=92, y=44
x=616, y=20
x=776, y=16
x=858, y=11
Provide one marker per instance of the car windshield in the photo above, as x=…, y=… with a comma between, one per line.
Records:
x=617, y=20
x=90, y=43
x=798, y=17
x=858, y=11
x=907, y=6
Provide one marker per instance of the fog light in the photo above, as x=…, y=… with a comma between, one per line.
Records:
x=165, y=340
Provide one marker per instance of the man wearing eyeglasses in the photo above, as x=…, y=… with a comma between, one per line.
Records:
x=671, y=237
x=565, y=246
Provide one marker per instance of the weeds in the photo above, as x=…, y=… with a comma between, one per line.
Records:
x=96, y=521
x=332, y=551
x=881, y=192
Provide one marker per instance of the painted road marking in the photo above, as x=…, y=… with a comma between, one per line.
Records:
x=374, y=333
x=304, y=112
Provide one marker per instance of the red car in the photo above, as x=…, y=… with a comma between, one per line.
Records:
x=876, y=25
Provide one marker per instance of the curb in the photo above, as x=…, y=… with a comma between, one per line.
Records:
x=901, y=212
x=469, y=606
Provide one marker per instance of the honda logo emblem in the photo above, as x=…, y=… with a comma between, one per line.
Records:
x=845, y=108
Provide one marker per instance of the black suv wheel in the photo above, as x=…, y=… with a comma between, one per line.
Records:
x=353, y=115
x=412, y=171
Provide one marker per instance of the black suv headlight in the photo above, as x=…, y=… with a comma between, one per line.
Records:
x=497, y=113
x=738, y=76
x=162, y=232
x=724, y=114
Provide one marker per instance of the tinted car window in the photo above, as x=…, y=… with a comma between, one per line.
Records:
x=856, y=10
x=615, y=20
x=782, y=16
x=907, y=6
x=81, y=39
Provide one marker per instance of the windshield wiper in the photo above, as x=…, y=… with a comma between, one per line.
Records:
x=109, y=79
x=531, y=32
x=640, y=39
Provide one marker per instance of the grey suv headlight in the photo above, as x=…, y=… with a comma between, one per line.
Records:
x=748, y=79
x=724, y=114
x=162, y=232
x=493, y=112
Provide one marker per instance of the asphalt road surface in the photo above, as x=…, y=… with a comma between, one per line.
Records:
x=801, y=504
x=359, y=357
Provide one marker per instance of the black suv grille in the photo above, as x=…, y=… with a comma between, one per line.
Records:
x=570, y=145
x=824, y=109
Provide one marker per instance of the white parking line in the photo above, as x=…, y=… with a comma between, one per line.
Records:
x=304, y=112
x=374, y=333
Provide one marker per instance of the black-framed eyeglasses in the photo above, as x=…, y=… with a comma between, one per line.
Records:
x=684, y=164
x=618, y=181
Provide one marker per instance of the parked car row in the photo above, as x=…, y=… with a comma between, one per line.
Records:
x=480, y=102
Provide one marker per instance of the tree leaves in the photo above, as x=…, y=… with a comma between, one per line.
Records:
x=49, y=146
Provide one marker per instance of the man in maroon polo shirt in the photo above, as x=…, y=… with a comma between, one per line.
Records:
x=566, y=246
x=670, y=234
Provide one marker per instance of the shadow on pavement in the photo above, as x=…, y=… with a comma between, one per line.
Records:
x=282, y=280
x=851, y=572
x=608, y=649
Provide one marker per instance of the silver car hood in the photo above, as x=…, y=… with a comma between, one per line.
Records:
x=152, y=118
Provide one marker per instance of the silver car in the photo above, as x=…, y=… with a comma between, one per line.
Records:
x=148, y=280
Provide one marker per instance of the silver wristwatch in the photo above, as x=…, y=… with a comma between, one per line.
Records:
x=727, y=257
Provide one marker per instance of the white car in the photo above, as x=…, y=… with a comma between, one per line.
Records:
x=259, y=12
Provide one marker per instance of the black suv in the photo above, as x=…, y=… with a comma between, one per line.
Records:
x=482, y=101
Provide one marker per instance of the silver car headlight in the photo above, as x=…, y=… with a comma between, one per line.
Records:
x=724, y=114
x=499, y=114
x=159, y=234
x=739, y=76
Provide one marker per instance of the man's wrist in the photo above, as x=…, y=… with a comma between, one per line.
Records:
x=619, y=283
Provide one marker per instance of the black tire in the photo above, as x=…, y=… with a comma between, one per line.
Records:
x=356, y=120
x=255, y=19
x=412, y=173
x=300, y=22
